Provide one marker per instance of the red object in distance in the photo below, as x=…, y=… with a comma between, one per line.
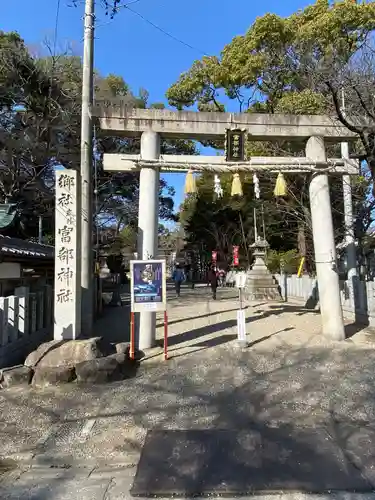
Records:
x=236, y=260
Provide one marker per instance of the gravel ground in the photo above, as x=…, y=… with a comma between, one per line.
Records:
x=288, y=374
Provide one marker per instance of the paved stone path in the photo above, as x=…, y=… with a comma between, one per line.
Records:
x=84, y=443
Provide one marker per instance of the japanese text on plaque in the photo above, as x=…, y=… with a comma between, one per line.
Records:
x=65, y=239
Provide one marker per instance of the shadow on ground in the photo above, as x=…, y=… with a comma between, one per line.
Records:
x=255, y=393
x=114, y=322
x=234, y=462
x=354, y=328
x=255, y=315
x=191, y=318
x=275, y=309
x=223, y=339
x=265, y=400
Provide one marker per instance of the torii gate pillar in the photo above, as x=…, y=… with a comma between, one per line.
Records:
x=324, y=246
x=148, y=221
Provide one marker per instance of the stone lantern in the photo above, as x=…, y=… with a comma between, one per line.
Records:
x=260, y=284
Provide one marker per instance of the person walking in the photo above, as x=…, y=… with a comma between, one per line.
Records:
x=178, y=277
x=221, y=277
x=213, y=280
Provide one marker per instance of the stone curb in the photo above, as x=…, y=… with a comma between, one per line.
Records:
x=123, y=471
x=122, y=476
x=273, y=496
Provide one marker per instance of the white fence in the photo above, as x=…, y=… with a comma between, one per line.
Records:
x=357, y=298
x=26, y=321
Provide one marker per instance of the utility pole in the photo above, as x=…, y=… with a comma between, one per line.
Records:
x=86, y=170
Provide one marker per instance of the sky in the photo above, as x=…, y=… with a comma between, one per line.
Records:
x=131, y=47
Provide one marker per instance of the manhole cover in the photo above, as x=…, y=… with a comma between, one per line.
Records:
x=233, y=463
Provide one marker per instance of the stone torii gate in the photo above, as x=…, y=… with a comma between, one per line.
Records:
x=116, y=119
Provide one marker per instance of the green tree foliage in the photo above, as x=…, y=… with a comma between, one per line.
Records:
x=40, y=106
x=170, y=240
x=213, y=223
x=282, y=65
x=117, y=193
x=279, y=55
x=219, y=224
x=287, y=261
x=17, y=75
x=37, y=128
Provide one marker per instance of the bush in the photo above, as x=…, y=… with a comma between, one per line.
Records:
x=288, y=261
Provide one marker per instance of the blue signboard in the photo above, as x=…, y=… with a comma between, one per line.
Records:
x=148, y=287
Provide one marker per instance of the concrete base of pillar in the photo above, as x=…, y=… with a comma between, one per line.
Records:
x=147, y=328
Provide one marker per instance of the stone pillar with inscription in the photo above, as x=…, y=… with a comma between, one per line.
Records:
x=67, y=297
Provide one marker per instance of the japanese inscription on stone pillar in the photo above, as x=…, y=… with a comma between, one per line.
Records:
x=67, y=305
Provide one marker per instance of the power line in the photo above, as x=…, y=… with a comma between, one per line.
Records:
x=126, y=6
x=106, y=5
x=115, y=11
x=130, y=3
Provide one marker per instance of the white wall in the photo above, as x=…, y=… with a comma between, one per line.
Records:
x=26, y=321
x=10, y=270
x=357, y=299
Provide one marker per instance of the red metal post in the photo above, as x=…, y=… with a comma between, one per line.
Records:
x=165, y=336
x=132, y=336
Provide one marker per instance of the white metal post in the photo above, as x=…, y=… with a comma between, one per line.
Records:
x=349, y=220
x=148, y=225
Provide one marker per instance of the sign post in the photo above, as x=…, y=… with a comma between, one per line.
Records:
x=300, y=268
x=148, y=292
x=241, y=324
